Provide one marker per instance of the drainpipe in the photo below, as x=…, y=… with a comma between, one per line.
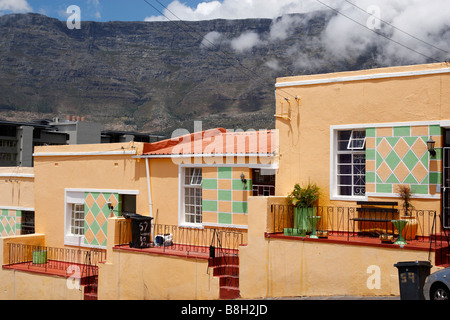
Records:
x=150, y=205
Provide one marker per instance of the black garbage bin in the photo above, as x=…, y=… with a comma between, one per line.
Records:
x=140, y=230
x=411, y=276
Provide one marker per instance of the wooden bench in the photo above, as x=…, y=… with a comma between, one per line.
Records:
x=378, y=212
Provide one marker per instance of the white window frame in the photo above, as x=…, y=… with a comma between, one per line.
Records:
x=354, y=139
x=334, y=153
x=72, y=198
x=194, y=183
x=77, y=219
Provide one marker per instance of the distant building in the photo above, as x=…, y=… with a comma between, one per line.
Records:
x=18, y=139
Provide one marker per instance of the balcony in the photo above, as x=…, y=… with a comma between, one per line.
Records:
x=183, y=241
x=219, y=247
x=81, y=265
x=346, y=225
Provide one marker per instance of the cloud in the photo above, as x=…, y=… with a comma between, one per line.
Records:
x=273, y=64
x=409, y=30
x=355, y=27
x=16, y=6
x=230, y=9
x=246, y=41
x=284, y=27
x=94, y=9
x=211, y=39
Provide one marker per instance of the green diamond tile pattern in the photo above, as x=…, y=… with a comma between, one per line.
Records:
x=392, y=160
x=401, y=159
x=410, y=160
x=96, y=216
x=7, y=223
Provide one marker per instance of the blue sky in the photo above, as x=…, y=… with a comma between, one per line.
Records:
x=151, y=10
x=92, y=10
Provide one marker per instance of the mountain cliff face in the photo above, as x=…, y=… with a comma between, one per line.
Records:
x=155, y=76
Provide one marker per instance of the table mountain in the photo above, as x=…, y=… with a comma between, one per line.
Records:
x=156, y=76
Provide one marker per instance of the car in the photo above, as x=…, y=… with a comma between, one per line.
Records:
x=437, y=285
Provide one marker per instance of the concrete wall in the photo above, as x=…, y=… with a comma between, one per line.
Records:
x=128, y=275
x=20, y=285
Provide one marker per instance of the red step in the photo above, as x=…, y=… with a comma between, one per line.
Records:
x=229, y=293
x=229, y=281
x=90, y=296
x=223, y=270
x=90, y=288
x=227, y=269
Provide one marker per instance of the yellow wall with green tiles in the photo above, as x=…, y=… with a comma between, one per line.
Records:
x=225, y=196
x=17, y=194
x=399, y=156
x=100, y=173
x=416, y=102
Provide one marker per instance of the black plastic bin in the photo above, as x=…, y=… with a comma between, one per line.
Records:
x=141, y=227
x=411, y=276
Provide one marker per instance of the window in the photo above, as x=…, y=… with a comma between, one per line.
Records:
x=27, y=222
x=128, y=203
x=263, y=182
x=193, y=195
x=351, y=163
x=77, y=219
x=74, y=218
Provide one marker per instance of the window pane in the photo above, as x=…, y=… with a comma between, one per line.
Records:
x=345, y=158
x=344, y=169
x=77, y=219
x=343, y=138
x=193, y=195
x=345, y=180
x=192, y=176
x=351, y=163
x=345, y=191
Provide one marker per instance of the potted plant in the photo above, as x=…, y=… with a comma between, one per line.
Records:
x=303, y=200
x=410, y=230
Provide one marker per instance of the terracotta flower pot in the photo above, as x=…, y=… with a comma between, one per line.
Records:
x=410, y=230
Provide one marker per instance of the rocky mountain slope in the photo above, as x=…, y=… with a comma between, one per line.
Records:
x=157, y=76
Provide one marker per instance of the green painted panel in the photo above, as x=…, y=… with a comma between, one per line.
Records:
x=224, y=195
x=384, y=188
x=370, y=177
x=224, y=172
x=434, y=130
x=225, y=218
x=402, y=131
x=240, y=207
x=418, y=189
x=370, y=154
x=370, y=132
x=209, y=205
x=209, y=184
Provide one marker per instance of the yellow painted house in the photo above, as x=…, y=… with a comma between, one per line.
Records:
x=216, y=199
x=198, y=181
x=16, y=201
x=358, y=136
x=361, y=134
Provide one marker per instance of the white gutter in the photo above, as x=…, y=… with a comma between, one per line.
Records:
x=16, y=175
x=207, y=155
x=150, y=204
x=93, y=153
x=362, y=77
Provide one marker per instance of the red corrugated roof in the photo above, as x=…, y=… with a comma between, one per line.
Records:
x=216, y=141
